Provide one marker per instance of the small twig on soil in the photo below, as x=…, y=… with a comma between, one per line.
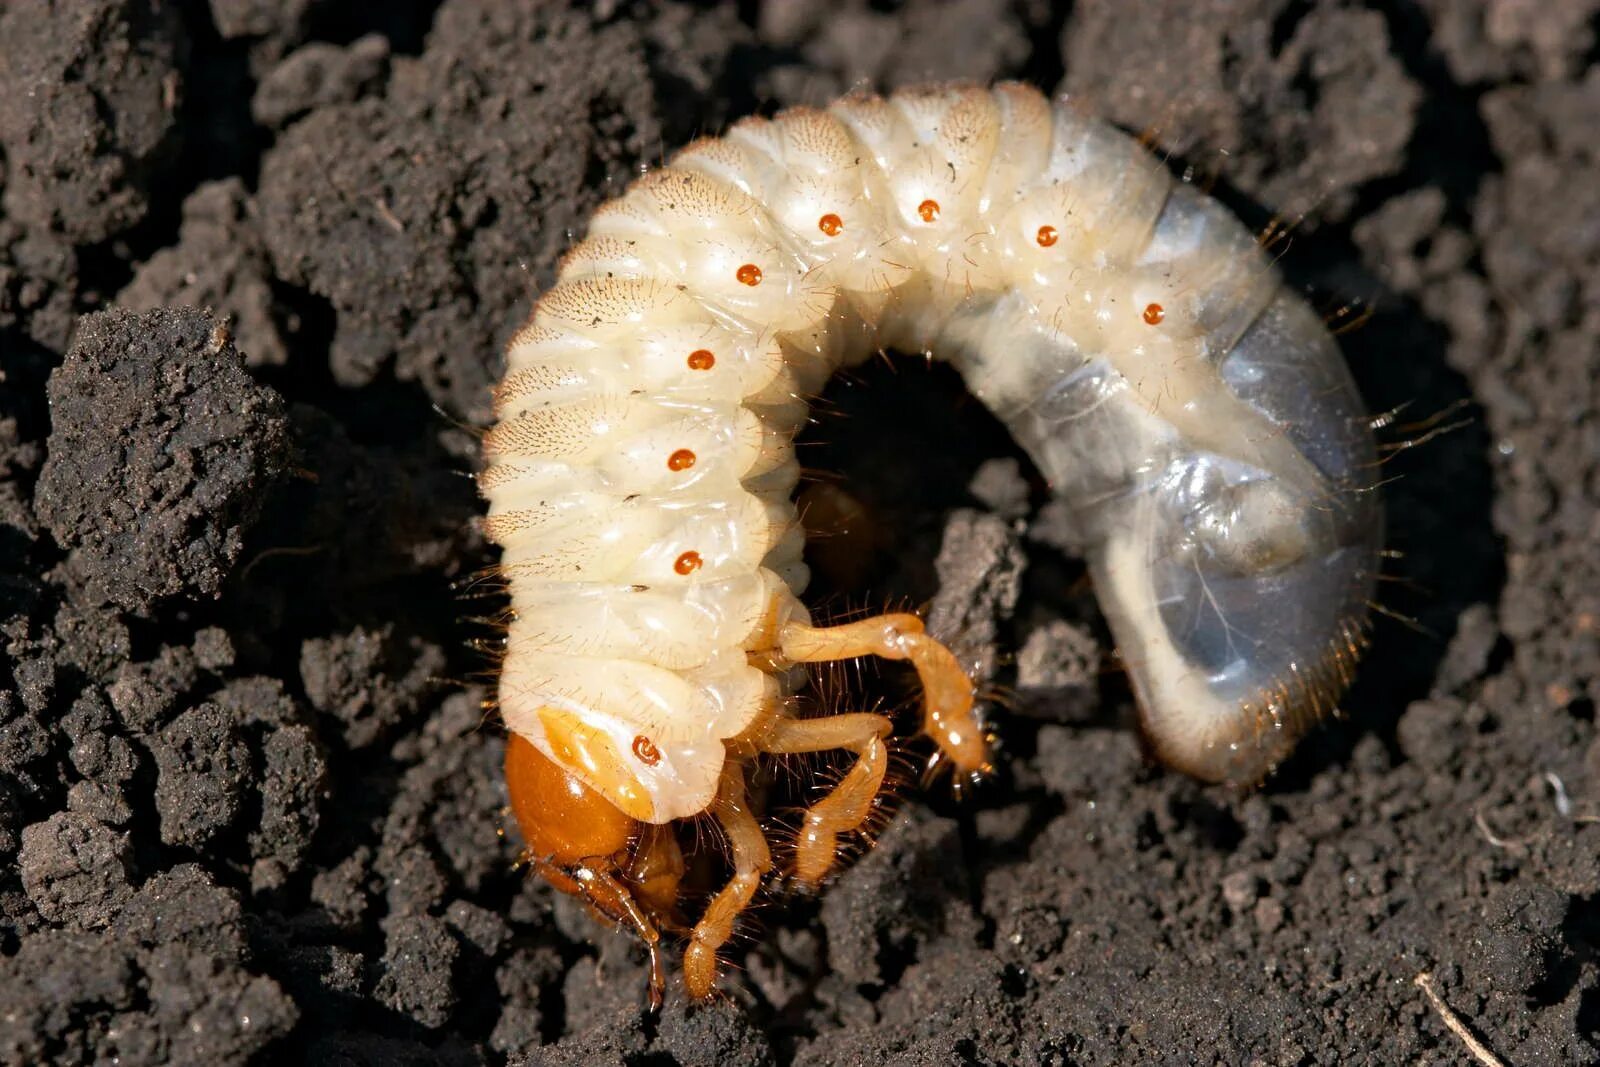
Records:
x=1493, y=838
x=1558, y=790
x=1452, y=1021
x=1564, y=805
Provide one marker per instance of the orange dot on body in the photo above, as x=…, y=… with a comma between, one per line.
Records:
x=646, y=751
x=1154, y=313
x=929, y=210
x=749, y=274
x=681, y=460
x=687, y=563
x=702, y=359
x=831, y=224
x=1046, y=236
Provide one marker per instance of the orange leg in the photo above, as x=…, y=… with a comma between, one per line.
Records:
x=751, y=860
x=849, y=805
x=947, y=691
x=610, y=900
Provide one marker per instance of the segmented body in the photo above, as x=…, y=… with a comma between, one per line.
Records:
x=1193, y=413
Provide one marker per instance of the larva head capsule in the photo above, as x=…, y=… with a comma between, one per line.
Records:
x=626, y=871
x=563, y=821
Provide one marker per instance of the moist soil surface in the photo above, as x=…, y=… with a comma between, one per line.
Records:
x=257, y=262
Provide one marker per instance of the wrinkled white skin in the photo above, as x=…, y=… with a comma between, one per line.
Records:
x=1211, y=458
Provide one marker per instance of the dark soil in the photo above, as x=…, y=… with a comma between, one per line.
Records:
x=249, y=800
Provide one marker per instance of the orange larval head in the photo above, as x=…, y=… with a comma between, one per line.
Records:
x=562, y=820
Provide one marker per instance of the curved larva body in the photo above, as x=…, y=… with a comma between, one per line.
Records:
x=1194, y=414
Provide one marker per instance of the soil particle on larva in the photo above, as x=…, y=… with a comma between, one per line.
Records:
x=264, y=826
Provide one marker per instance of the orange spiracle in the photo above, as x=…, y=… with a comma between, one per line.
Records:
x=928, y=210
x=646, y=751
x=831, y=224
x=681, y=460
x=749, y=274
x=701, y=359
x=1046, y=236
x=1154, y=313
x=687, y=563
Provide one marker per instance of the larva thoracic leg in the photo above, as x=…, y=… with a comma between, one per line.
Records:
x=947, y=694
x=1193, y=415
x=747, y=846
x=848, y=806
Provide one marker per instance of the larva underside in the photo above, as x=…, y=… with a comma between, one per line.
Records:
x=1194, y=414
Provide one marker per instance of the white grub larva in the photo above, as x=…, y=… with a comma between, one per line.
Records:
x=1193, y=413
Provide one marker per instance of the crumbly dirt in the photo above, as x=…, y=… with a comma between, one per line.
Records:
x=250, y=807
